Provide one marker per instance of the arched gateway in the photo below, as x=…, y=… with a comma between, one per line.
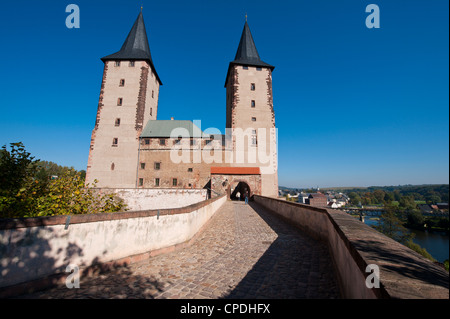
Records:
x=234, y=180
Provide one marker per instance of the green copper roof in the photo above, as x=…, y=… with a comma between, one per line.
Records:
x=172, y=128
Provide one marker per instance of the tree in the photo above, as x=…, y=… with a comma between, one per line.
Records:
x=27, y=191
x=355, y=199
x=18, y=189
x=407, y=202
x=392, y=226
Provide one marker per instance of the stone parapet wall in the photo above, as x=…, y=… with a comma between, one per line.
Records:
x=38, y=248
x=404, y=274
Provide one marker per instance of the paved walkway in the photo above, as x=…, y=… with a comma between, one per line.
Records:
x=244, y=252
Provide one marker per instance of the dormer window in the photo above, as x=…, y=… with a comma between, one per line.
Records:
x=117, y=64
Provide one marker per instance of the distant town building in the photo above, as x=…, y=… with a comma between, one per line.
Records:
x=317, y=200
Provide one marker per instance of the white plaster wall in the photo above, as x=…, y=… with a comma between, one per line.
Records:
x=36, y=252
x=155, y=198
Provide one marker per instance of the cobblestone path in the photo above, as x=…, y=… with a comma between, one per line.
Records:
x=244, y=252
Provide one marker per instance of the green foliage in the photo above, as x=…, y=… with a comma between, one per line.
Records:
x=391, y=225
x=26, y=189
x=419, y=250
x=446, y=264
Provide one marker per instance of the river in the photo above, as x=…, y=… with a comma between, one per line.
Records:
x=436, y=243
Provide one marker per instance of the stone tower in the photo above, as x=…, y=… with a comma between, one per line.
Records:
x=128, y=100
x=250, y=110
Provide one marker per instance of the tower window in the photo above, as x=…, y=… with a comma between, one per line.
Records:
x=113, y=166
x=190, y=169
x=117, y=122
x=157, y=166
x=245, y=67
x=119, y=101
x=156, y=182
x=174, y=182
x=115, y=142
x=253, y=103
x=122, y=82
x=141, y=182
x=131, y=65
x=253, y=87
x=162, y=142
x=142, y=165
x=153, y=94
x=253, y=119
x=117, y=64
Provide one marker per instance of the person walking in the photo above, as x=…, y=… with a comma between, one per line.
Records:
x=246, y=197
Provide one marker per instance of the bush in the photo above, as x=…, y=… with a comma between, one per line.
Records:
x=26, y=192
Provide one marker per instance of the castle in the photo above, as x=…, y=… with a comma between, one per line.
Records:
x=131, y=149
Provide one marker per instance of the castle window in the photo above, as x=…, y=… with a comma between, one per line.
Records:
x=253, y=119
x=147, y=141
x=117, y=122
x=253, y=87
x=122, y=82
x=258, y=69
x=245, y=67
x=131, y=65
x=157, y=166
x=253, y=103
x=115, y=142
x=141, y=182
x=153, y=94
x=162, y=142
x=174, y=182
x=117, y=64
x=190, y=169
x=156, y=182
x=113, y=166
x=119, y=101
x=142, y=165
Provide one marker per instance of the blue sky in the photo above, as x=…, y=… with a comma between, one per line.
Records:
x=354, y=106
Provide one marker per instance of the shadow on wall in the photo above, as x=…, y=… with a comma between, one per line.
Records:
x=294, y=266
x=24, y=255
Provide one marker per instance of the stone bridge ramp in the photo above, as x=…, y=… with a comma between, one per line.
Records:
x=244, y=252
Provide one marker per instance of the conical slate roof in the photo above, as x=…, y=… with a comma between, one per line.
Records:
x=247, y=54
x=135, y=47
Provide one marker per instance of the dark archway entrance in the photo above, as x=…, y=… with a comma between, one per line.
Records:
x=239, y=190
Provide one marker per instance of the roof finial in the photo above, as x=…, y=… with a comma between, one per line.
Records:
x=142, y=7
x=246, y=17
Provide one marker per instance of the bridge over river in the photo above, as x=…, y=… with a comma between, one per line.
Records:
x=270, y=248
